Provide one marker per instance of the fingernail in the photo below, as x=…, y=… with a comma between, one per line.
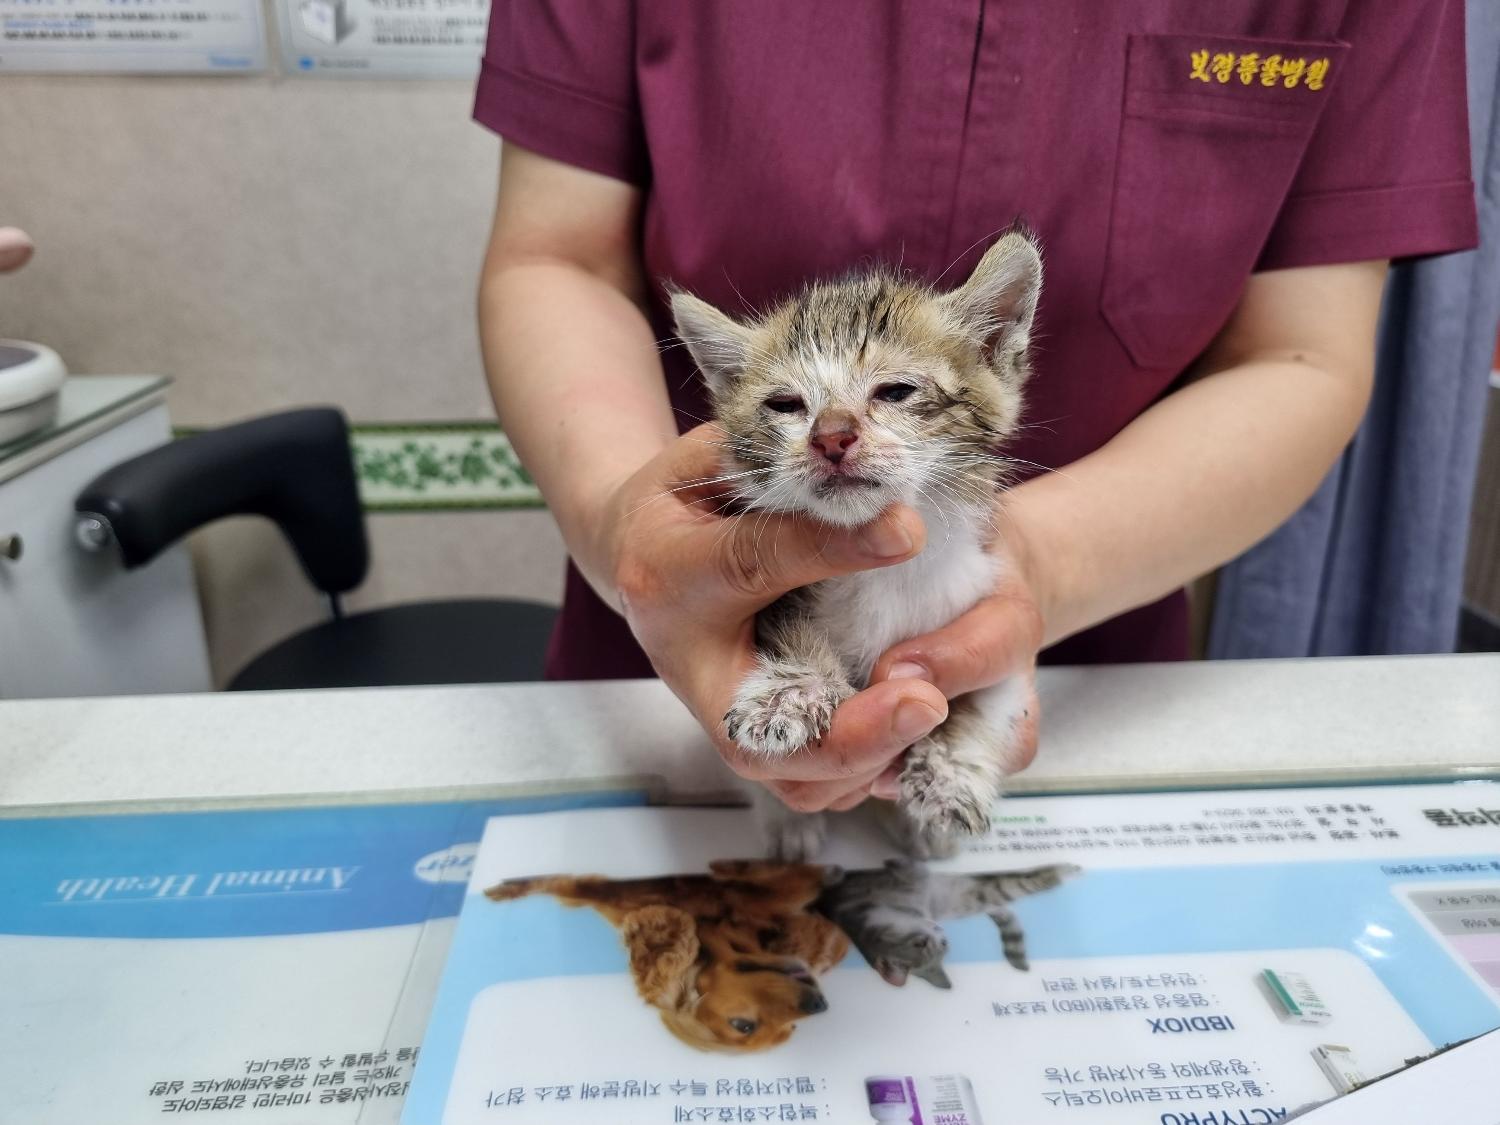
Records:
x=906, y=670
x=914, y=719
x=885, y=539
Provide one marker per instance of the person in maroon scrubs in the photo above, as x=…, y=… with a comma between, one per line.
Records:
x=1217, y=190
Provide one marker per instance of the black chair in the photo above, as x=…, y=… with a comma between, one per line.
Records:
x=296, y=469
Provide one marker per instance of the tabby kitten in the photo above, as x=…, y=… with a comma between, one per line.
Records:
x=892, y=914
x=846, y=399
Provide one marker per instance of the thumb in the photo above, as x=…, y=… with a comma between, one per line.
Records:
x=765, y=555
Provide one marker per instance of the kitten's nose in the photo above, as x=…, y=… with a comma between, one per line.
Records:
x=833, y=444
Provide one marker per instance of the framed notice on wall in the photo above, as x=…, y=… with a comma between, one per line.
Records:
x=132, y=36
x=382, y=38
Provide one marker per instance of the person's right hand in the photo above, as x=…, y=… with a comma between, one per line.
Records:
x=690, y=581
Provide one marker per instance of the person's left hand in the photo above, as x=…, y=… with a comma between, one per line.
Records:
x=998, y=639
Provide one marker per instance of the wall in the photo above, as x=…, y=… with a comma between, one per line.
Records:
x=270, y=243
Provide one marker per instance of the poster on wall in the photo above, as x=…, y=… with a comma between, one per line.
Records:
x=132, y=36
x=382, y=38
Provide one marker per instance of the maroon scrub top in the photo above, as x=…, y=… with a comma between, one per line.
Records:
x=1163, y=150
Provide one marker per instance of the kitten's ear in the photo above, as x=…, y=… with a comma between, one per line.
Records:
x=720, y=346
x=996, y=305
x=935, y=975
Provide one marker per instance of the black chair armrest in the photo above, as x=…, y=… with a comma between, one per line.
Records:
x=294, y=468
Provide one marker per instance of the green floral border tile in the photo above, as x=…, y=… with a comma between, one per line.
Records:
x=437, y=466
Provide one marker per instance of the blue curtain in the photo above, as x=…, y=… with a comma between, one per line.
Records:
x=1373, y=563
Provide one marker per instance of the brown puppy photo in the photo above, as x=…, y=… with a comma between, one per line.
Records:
x=730, y=959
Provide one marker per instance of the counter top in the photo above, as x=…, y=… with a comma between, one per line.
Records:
x=86, y=404
x=1230, y=723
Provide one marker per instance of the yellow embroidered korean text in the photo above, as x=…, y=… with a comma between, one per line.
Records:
x=1272, y=70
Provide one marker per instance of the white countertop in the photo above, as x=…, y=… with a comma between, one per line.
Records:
x=87, y=404
x=1143, y=726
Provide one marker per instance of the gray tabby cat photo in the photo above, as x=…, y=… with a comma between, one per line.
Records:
x=838, y=403
x=893, y=914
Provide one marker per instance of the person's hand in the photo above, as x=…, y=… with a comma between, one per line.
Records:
x=996, y=640
x=15, y=249
x=690, y=580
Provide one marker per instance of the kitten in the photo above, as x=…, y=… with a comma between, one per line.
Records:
x=892, y=913
x=838, y=403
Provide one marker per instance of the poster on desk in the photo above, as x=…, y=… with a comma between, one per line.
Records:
x=1189, y=958
x=382, y=38
x=132, y=36
x=253, y=965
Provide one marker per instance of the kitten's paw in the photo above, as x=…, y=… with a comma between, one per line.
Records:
x=942, y=798
x=775, y=715
x=799, y=838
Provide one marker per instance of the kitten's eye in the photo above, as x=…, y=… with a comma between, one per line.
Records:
x=744, y=1027
x=894, y=392
x=785, y=404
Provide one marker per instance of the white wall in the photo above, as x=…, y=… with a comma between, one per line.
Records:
x=270, y=243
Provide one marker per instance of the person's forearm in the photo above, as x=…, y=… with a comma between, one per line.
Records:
x=1213, y=468
x=1198, y=478
x=578, y=385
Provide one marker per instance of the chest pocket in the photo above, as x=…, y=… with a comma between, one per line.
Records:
x=1212, y=133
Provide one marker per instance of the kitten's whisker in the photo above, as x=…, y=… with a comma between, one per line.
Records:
x=664, y=495
x=748, y=307
x=749, y=443
x=703, y=482
x=938, y=507
x=670, y=493
x=967, y=250
x=751, y=454
x=1044, y=468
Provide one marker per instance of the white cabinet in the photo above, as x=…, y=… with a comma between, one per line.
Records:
x=75, y=623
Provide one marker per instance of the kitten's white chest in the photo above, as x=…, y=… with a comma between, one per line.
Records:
x=864, y=614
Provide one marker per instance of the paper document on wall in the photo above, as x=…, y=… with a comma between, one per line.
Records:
x=1174, y=959
x=382, y=38
x=132, y=36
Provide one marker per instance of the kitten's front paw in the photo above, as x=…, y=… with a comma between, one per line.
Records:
x=775, y=715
